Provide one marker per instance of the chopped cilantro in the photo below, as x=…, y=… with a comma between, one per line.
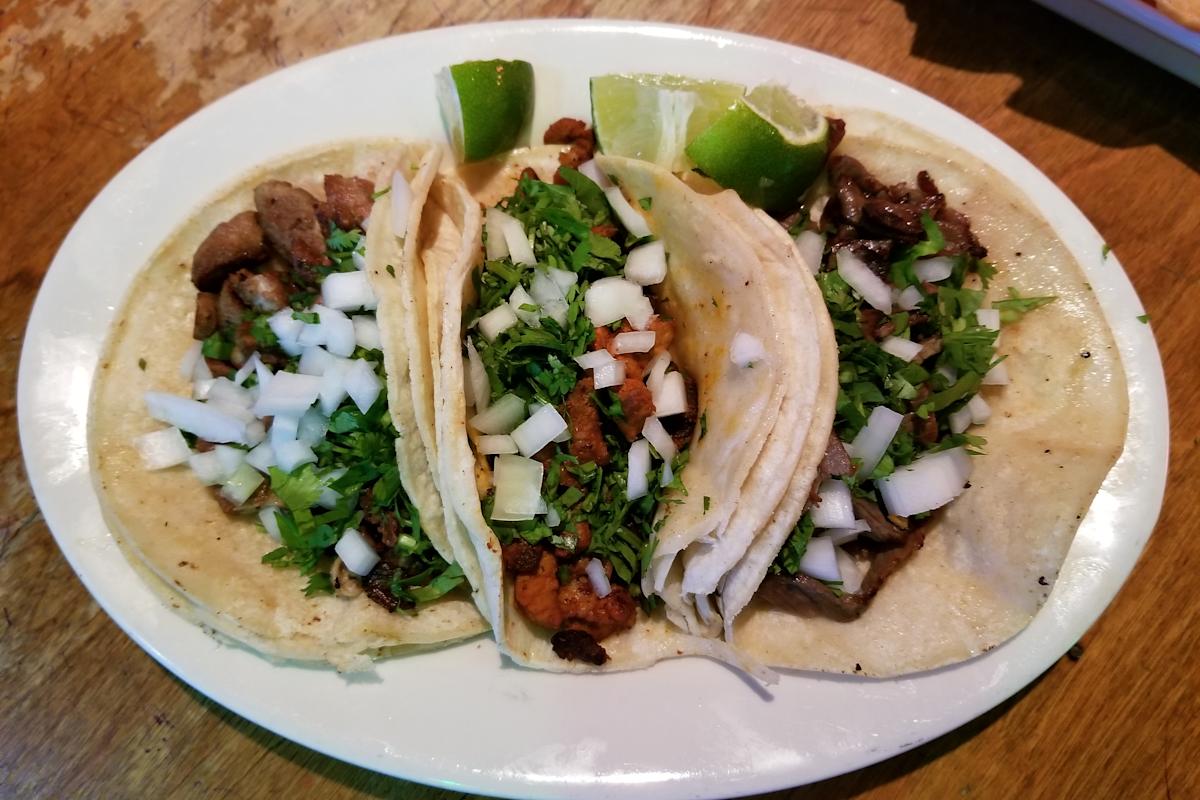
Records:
x=788, y=560
x=217, y=346
x=142, y=364
x=1143, y=318
x=703, y=424
x=378, y=193
x=646, y=202
x=307, y=317
x=1016, y=307
x=707, y=503
x=1104, y=251
x=391, y=270
x=298, y=490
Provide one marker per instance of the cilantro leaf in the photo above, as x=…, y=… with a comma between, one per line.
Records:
x=298, y=490
x=1016, y=307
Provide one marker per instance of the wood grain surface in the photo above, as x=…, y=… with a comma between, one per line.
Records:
x=86, y=84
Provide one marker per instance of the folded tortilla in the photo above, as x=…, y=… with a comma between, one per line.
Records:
x=990, y=558
x=171, y=526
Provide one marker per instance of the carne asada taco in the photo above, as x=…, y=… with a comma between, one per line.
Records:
x=612, y=370
x=289, y=504
x=980, y=404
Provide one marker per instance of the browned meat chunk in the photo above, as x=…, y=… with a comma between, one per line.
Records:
x=836, y=460
x=244, y=345
x=578, y=135
x=231, y=311
x=583, y=610
x=232, y=244
x=587, y=440
x=581, y=534
x=219, y=369
x=875, y=324
x=348, y=200
x=537, y=594
x=881, y=529
x=574, y=645
x=521, y=558
x=205, y=323
x=637, y=405
x=288, y=216
x=262, y=291
x=378, y=586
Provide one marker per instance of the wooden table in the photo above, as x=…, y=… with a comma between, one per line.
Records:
x=85, y=85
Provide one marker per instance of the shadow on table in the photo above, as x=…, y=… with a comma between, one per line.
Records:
x=1070, y=78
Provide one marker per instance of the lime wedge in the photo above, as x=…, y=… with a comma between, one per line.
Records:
x=768, y=148
x=653, y=117
x=486, y=106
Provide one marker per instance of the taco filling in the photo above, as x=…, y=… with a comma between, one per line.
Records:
x=904, y=280
x=579, y=418
x=288, y=417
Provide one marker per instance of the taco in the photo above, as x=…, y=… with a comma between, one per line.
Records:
x=612, y=367
x=290, y=504
x=980, y=404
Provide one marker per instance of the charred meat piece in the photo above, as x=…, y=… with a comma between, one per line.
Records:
x=587, y=440
x=582, y=535
x=262, y=291
x=232, y=244
x=219, y=369
x=803, y=595
x=231, y=311
x=348, y=200
x=288, y=216
x=521, y=558
x=583, y=610
x=575, y=645
x=875, y=253
x=536, y=594
x=205, y=323
x=578, y=135
x=244, y=345
x=378, y=586
x=881, y=529
x=875, y=324
x=836, y=460
x=637, y=405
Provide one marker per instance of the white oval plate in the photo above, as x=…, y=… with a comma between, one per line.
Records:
x=461, y=717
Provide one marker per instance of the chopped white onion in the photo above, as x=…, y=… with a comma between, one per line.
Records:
x=667, y=475
x=401, y=196
x=981, y=412
x=851, y=576
x=201, y=372
x=496, y=444
x=238, y=412
x=539, y=430
x=328, y=497
x=518, y=488
x=874, y=438
x=230, y=458
x=657, y=372
x=362, y=384
x=207, y=422
x=610, y=299
x=355, y=552
x=988, y=318
x=903, y=349
x=746, y=350
x=287, y=393
x=960, y=420
x=932, y=270
x=333, y=386
x=519, y=249
x=315, y=360
x=284, y=428
x=594, y=358
x=834, y=508
x=163, y=448
x=497, y=321
x=563, y=278
x=996, y=376
x=495, y=248
x=366, y=332
x=634, y=222
x=672, y=397
x=862, y=280
x=909, y=299
x=188, y=365
x=640, y=313
x=287, y=330
x=929, y=482
x=477, y=379
x=820, y=561
x=609, y=374
x=647, y=264
x=312, y=427
x=839, y=536
x=269, y=517
x=262, y=458
x=598, y=578
x=502, y=416
x=208, y=467
x=548, y=294
x=634, y=342
x=256, y=432
x=358, y=259
x=949, y=373
x=290, y=455
x=519, y=298
x=659, y=439
x=637, y=482
x=229, y=394
x=244, y=371
x=344, y=291
x=811, y=246
x=552, y=517
x=339, y=331
x=593, y=171
x=241, y=484
x=200, y=389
